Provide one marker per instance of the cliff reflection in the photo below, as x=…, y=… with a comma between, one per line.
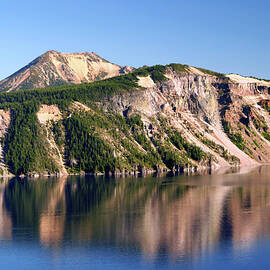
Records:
x=52, y=218
x=184, y=216
x=5, y=220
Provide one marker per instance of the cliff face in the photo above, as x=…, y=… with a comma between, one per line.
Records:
x=155, y=118
x=224, y=110
x=54, y=68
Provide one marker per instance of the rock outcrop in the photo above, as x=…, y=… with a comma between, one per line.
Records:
x=4, y=124
x=46, y=116
x=199, y=104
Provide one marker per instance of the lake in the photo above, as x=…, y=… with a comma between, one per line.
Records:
x=218, y=221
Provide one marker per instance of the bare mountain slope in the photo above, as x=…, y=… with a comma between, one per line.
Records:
x=54, y=68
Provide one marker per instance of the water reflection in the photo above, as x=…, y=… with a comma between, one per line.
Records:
x=181, y=217
x=5, y=220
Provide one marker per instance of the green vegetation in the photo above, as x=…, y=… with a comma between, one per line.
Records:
x=257, y=145
x=258, y=78
x=236, y=138
x=25, y=142
x=194, y=152
x=260, y=124
x=151, y=158
x=213, y=73
x=210, y=144
x=25, y=145
x=170, y=158
x=63, y=95
x=266, y=107
x=219, y=149
x=179, y=69
x=266, y=136
x=58, y=131
x=155, y=72
x=85, y=151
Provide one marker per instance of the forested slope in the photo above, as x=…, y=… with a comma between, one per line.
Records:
x=162, y=117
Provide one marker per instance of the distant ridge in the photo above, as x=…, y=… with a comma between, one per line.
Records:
x=55, y=68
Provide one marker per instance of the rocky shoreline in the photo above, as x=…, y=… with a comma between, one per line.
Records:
x=144, y=172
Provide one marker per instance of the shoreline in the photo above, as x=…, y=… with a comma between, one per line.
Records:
x=242, y=169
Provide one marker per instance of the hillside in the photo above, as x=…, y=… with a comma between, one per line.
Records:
x=54, y=68
x=156, y=118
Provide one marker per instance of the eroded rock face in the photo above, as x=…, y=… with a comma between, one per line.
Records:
x=195, y=102
x=4, y=121
x=47, y=115
x=246, y=86
x=191, y=93
x=5, y=118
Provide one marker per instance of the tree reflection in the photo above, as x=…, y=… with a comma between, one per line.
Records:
x=184, y=216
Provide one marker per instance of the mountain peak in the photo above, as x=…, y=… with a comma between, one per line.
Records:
x=51, y=52
x=56, y=68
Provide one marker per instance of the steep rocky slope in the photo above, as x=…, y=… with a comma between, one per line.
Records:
x=55, y=68
x=156, y=118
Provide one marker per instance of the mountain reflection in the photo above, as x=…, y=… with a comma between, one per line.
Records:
x=185, y=216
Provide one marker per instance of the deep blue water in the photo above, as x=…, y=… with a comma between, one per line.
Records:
x=219, y=221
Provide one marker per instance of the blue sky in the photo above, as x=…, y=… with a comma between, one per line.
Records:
x=225, y=36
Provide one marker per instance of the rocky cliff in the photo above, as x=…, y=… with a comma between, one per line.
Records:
x=213, y=111
x=54, y=68
x=156, y=118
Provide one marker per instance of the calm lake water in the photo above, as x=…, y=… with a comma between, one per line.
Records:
x=219, y=221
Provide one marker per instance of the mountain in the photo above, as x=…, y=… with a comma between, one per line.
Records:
x=173, y=117
x=54, y=68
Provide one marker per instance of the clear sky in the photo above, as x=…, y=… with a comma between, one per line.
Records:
x=225, y=36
